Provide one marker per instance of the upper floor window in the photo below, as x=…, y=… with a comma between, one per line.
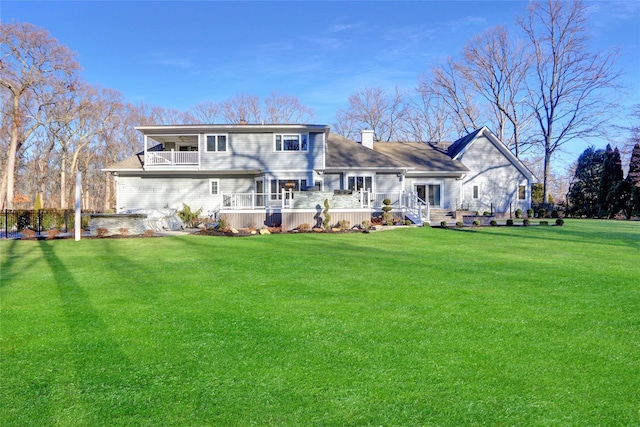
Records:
x=216, y=142
x=291, y=142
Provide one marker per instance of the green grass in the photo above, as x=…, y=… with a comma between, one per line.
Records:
x=496, y=326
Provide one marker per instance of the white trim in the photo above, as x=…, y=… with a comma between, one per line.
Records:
x=348, y=175
x=217, y=181
x=217, y=143
x=300, y=138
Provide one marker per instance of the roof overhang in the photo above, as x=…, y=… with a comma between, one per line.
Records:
x=170, y=173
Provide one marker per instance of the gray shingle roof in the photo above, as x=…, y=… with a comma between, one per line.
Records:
x=133, y=162
x=420, y=156
x=343, y=153
x=458, y=146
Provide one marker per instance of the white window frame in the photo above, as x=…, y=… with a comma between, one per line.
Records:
x=217, y=144
x=217, y=181
x=524, y=193
x=303, y=142
x=364, y=177
x=278, y=194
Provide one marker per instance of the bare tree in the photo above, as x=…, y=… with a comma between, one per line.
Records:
x=242, y=108
x=34, y=67
x=427, y=119
x=207, y=112
x=376, y=109
x=566, y=89
x=282, y=109
x=449, y=84
x=497, y=67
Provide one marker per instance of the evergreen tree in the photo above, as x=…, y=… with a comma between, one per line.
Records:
x=611, y=175
x=633, y=177
x=583, y=193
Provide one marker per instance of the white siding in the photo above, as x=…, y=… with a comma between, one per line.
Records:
x=496, y=177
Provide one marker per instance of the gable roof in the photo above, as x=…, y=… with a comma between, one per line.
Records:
x=132, y=163
x=420, y=157
x=342, y=153
x=459, y=147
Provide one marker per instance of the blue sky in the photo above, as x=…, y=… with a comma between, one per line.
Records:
x=179, y=53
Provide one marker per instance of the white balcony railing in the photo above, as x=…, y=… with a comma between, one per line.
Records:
x=171, y=158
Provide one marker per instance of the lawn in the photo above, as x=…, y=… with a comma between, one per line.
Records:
x=497, y=326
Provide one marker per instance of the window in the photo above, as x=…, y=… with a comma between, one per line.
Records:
x=475, y=192
x=216, y=142
x=214, y=187
x=277, y=185
x=522, y=192
x=357, y=183
x=291, y=142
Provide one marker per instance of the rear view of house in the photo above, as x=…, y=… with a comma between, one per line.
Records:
x=281, y=174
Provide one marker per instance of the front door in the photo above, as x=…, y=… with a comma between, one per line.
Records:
x=434, y=195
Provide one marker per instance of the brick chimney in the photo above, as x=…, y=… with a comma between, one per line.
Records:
x=367, y=138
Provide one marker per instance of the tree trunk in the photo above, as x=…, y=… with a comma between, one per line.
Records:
x=11, y=155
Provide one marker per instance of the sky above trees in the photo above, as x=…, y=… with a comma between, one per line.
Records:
x=177, y=54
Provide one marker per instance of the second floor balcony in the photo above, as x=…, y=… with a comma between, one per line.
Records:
x=172, y=158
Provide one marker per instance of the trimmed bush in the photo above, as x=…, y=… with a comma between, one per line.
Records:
x=343, y=224
x=493, y=223
x=486, y=213
x=526, y=222
x=476, y=223
x=542, y=213
x=544, y=222
x=304, y=227
x=560, y=222
x=443, y=224
x=518, y=213
x=326, y=222
x=459, y=224
x=530, y=213
x=509, y=222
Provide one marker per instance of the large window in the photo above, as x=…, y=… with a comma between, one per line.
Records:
x=277, y=185
x=357, y=183
x=434, y=194
x=216, y=143
x=291, y=142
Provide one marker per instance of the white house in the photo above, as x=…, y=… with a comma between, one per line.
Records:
x=281, y=174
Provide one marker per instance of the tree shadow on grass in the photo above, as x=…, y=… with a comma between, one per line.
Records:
x=102, y=369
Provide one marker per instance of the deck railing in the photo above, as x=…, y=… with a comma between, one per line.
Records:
x=171, y=158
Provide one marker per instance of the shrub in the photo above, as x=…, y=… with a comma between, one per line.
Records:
x=28, y=233
x=366, y=225
x=509, y=222
x=530, y=213
x=443, y=224
x=102, y=232
x=486, y=213
x=493, y=223
x=189, y=217
x=407, y=222
x=476, y=223
x=53, y=233
x=223, y=223
x=518, y=213
x=386, y=202
x=459, y=224
x=544, y=222
x=526, y=222
x=560, y=222
x=326, y=222
x=542, y=213
x=304, y=227
x=343, y=224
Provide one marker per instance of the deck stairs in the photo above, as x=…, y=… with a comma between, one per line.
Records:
x=439, y=215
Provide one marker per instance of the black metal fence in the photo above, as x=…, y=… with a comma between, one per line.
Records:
x=18, y=223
